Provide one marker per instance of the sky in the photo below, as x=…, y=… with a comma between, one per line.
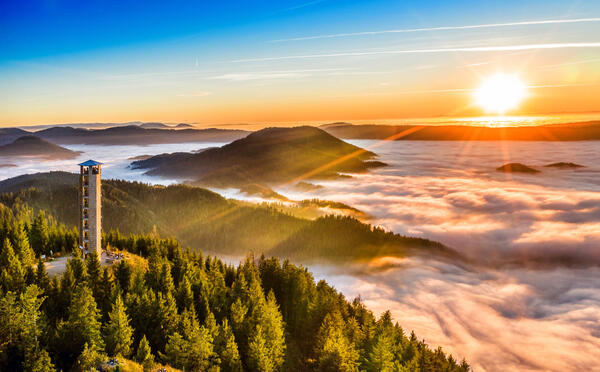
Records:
x=290, y=61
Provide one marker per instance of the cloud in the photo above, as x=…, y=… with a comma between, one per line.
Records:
x=286, y=74
x=497, y=48
x=442, y=28
x=450, y=192
x=512, y=320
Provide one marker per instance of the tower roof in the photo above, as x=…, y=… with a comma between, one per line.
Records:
x=90, y=163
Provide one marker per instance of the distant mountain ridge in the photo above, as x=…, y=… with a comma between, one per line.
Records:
x=136, y=135
x=582, y=131
x=9, y=135
x=32, y=146
x=270, y=156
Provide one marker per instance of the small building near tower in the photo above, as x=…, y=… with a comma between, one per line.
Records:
x=90, y=205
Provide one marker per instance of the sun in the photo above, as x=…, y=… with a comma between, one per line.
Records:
x=500, y=92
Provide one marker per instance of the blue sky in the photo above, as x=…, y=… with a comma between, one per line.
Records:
x=74, y=60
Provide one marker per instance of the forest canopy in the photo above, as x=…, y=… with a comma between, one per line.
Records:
x=180, y=308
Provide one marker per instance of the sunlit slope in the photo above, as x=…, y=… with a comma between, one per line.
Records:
x=270, y=156
x=206, y=221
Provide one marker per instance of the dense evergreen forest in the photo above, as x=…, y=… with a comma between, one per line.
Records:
x=179, y=308
x=202, y=219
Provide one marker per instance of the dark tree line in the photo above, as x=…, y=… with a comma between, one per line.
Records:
x=182, y=309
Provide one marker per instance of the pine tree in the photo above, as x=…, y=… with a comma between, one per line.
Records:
x=144, y=354
x=41, y=277
x=381, y=357
x=258, y=352
x=39, y=234
x=106, y=293
x=94, y=276
x=193, y=348
x=334, y=351
x=13, y=275
x=185, y=296
x=39, y=361
x=22, y=247
x=77, y=268
x=123, y=275
x=83, y=324
x=164, y=322
x=118, y=331
x=266, y=347
x=89, y=358
x=227, y=349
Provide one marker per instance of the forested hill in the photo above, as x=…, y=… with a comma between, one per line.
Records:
x=34, y=147
x=167, y=306
x=205, y=221
x=270, y=156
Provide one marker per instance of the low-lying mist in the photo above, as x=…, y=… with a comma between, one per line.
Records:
x=509, y=320
x=450, y=192
x=530, y=300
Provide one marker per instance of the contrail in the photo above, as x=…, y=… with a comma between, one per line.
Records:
x=436, y=50
x=443, y=28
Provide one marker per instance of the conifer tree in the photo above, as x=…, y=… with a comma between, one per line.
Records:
x=23, y=248
x=185, y=296
x=144, y=354
x=123, y=275
x=13, y=275
x=39, y=234
x=89, y=358
x=82, y=327
x=191, y=349
x=334, y=351
x=266, y=348
x=77, y=267
x=118, y=331
x=94, y=273
x=258, y=352
x=39, y=361
x=227, y=349
x=106, y=293
x=381, y=357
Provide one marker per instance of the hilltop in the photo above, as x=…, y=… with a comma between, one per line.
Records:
x=270, y=156
x=9, y=135
x=516, y=168
x=32, y=146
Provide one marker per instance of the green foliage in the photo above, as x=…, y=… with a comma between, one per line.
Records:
x=118, y=331
x=12, y=276
x=227, y=349
x=38, y=361
x=335, y=352
x=192, y=349
x=144, y=354
x=82, y=326
x=189, y=311
x=89, y=359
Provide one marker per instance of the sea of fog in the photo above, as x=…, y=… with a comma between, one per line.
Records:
x=531, y=299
